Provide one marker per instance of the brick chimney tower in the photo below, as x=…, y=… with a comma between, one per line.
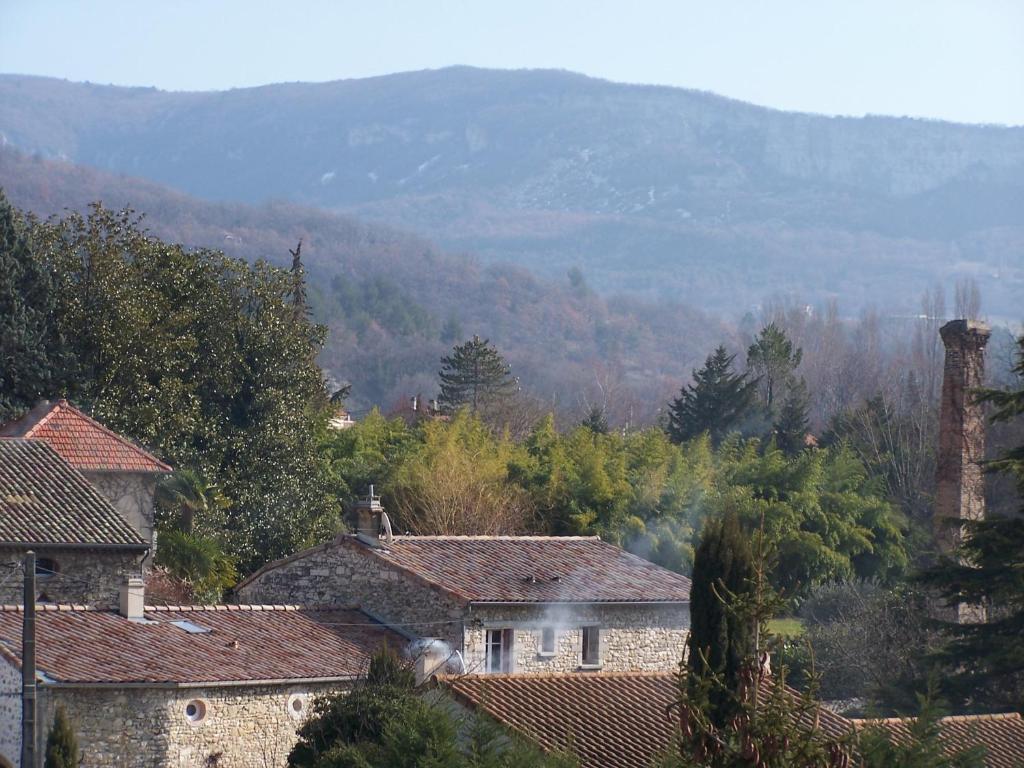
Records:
x=960, y=483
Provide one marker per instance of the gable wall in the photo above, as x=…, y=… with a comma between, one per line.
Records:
x=131, y=493
x=340, y=575
x=86, y=577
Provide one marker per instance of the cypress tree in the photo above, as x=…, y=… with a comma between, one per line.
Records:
x=30, y=348
x=61, y=744
x=716, y=402
x=721, y=640
x=474, y=375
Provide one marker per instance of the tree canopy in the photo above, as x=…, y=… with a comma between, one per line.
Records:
x=716, y=402
x=474, y=375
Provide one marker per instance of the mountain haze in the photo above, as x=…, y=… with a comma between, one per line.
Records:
x=661, y=191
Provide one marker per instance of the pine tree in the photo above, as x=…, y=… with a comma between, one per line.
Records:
x=596, y=421
x=715, y=403
x=772, y=362
x=61, y=744
x=790, y=428
x=720, y=640
x=298, y=274
x=474, y=375
x=30, y=350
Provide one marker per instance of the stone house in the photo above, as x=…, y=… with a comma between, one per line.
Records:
x=122, y=471
x=496, y=604
x=85, y=549
x=182, y=686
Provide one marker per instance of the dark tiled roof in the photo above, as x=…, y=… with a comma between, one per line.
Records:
x=1001, y=735
x=43, y=500
x=245, y=643
x=611, y=720
x=82, y=441
x=531, y=569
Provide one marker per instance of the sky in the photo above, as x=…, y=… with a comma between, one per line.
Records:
x=961, y=61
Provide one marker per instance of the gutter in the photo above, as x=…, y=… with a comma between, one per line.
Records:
x=51, y=683
x=56, y=545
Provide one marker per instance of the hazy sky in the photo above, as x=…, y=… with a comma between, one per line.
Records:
x=960, y=60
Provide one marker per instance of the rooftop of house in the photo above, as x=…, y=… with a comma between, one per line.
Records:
x=181, y=646
x=1002, y=735
x=623, y=719
x=82, y=441
x=521, y=569
x=46, y=501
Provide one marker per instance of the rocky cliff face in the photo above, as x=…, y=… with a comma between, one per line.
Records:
x=658, y=190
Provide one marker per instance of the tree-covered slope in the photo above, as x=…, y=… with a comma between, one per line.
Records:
x=670, y=192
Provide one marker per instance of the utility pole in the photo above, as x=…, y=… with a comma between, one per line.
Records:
x=28, y=666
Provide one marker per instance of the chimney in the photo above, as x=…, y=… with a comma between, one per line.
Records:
x=960, y=483
x=133, y=599
x=367, y=515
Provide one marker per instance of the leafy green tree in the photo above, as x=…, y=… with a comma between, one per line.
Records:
x=474, y=375
x=203, y=358
x=985, y=660
x=720, y=640
x=716, y=402
x=199, y=562
x=791, y=425
x=596, y=421
x=186, y=496
x=772, y=361
x=61, y=743
x=31, y=348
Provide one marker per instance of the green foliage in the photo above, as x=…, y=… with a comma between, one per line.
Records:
x=61, y=743
x=716, y=402
x=31, y=348
x=792, y=424
x=386, y=722
x=377, y=303
x=474, y=375
x=720, y=640
x=199, y=561
x=772, y=362
x=596, y=421
x=187, y=501
x=205, y=359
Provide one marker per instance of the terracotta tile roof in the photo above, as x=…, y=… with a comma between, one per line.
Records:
x=82, y=441
x=43, y=500
x=612, y=720
x=1001, y=735
x=530, y=569
x=244, y=644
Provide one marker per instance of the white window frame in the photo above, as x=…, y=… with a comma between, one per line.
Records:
x=541, y=636
x=586, y=632
x=500, y=640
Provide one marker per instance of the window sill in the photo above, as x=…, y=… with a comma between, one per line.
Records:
x=546, y=654
x=591, y=667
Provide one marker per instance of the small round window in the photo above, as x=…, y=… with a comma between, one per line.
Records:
x=298, y=703
x=195, y=711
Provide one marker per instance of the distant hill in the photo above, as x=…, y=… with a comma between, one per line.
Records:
x=666, y=192
x=394, y=304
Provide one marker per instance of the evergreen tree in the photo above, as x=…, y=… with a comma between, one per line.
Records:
x=596, y=421
x=790, y=428
x=61, y=744
x=720, y=640
x=31, y=358
x=298, y=274
x=772, y=362
x=715, y=403
x=474, y=375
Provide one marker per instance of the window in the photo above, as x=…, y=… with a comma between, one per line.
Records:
x=195, y=711
x=46, y=568
x=591, y=651
x=499, y=651
x=297, y=705
x=547, y=641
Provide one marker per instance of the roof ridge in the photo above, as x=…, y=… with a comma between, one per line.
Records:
x=946, y=719
x=494, y=537
x=560, y=676
x=251, y=607
x=54, y=608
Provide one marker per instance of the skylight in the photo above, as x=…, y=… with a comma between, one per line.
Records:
x=192, y=629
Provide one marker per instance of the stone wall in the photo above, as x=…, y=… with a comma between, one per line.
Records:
x=89, y=577
x=338, y=574
x=10, y=713
x=632, y=638
x=243, y=727
x=132, y=495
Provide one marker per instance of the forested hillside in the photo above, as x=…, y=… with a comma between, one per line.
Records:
x=394, y=304
x=662, y=191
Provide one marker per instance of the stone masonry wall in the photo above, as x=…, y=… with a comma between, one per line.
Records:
x=632, y=638
x=244, y=727
x=337, y=574
x=89, y=577
x=132, y=494
x=10, y=713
